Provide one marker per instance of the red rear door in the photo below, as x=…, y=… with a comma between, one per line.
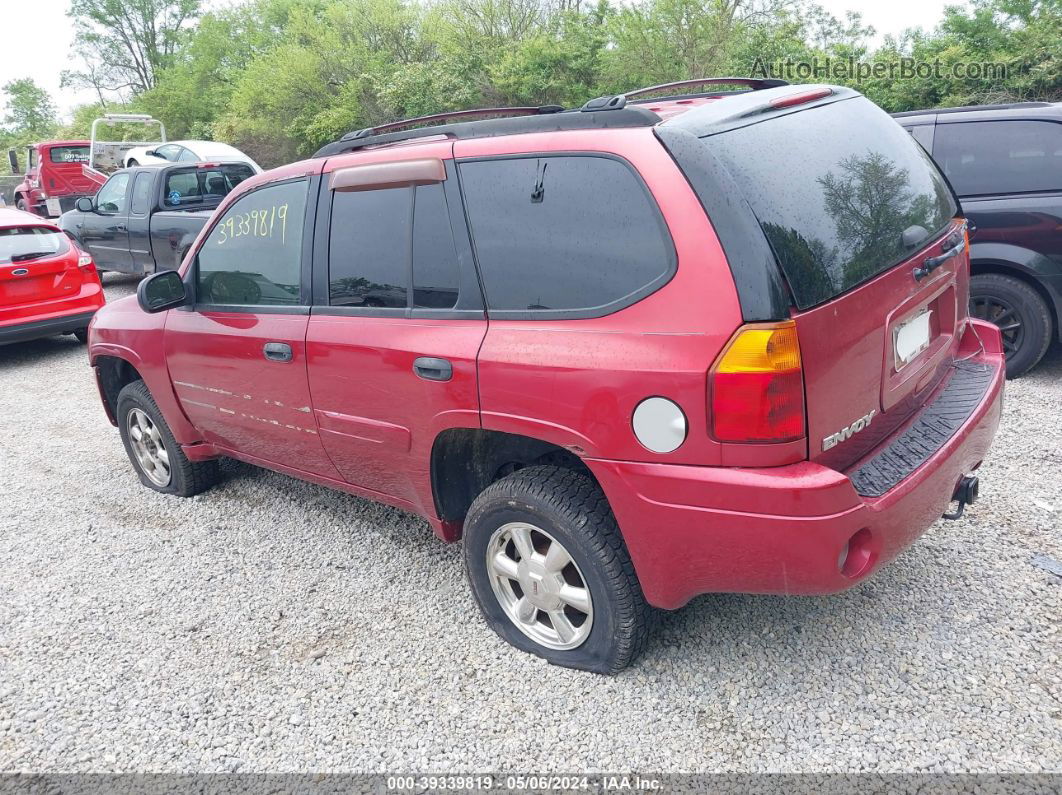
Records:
x=396, y=325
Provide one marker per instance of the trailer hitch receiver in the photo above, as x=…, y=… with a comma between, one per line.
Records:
x=965, y=494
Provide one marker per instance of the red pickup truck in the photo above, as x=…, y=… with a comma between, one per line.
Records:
x=54, y=178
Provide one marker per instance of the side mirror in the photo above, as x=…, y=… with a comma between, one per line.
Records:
x=84, y=204
x=150, y=153
x=161, y=291
x=12, y=159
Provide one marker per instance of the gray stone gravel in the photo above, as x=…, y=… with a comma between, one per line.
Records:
x=275, y=625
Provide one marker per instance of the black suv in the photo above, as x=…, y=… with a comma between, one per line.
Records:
x=1005, y=163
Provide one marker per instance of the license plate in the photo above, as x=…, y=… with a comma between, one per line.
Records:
x=910, y=338
x=54, y=208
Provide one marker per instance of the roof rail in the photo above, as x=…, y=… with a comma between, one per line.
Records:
x=969, y=108
x=751, y=83
x=462, y=115
x=525, y=120
x=617, y=101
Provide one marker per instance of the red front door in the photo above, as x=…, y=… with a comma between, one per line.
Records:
x=237, y=358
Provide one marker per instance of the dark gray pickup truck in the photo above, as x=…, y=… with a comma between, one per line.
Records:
x=143, y=219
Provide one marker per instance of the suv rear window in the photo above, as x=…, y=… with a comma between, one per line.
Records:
x=834, y=188
x=572, y=234
x=25, y=243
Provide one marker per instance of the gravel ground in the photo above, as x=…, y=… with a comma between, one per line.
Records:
x=275, y=625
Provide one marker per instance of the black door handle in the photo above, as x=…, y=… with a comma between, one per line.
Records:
x=277, y=351
x=432, y=369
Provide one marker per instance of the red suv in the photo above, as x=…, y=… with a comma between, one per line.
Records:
x=633, y=352
x=47, y=284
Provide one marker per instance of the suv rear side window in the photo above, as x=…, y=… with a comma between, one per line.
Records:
x=253, y=254
x=578, y=234
x=1014, y=156
x=834, y=188
x=368, y=248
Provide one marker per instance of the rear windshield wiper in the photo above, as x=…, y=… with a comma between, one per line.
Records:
x=30, y=255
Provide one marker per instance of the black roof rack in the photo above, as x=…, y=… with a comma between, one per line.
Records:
x=498, y=121
x=968, y=108
x=603, y=112
x=751, y=83
x=617, y=101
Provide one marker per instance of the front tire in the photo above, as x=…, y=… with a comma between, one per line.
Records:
x=81, y=335
x=131, y=162
x=550, y=571
x=1021, y=315
x=20, y=204
x=158, y=459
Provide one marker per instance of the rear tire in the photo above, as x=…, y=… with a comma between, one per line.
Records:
x=158, y=460
x=575, y=567
x=1021, y=314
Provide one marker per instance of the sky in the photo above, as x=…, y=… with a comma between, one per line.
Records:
x=42, y=47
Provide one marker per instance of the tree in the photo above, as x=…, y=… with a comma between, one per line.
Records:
x=29, y=111
x=127, y=43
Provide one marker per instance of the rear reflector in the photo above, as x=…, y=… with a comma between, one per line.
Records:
x=800, y=99
x=757, y=386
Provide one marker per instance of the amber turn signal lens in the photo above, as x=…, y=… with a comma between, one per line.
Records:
x=757, y=386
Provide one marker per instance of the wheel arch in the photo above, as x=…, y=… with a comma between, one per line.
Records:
x=465, y=461
x=113, y=373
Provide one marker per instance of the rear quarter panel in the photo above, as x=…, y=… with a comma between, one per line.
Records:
x=576, y=382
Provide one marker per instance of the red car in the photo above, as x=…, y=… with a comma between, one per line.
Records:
x=47, y=284
x=632, y=353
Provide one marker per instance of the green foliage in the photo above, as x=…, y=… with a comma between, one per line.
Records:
x=278, y=78
x=28, y=114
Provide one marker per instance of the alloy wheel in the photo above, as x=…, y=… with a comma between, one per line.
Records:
x=539, y=586
x=1002, y=314
x=148, y=447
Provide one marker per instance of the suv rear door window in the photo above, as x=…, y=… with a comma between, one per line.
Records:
x=368, y=248
x=253, y=254
x=834, y=188
x=1007, y=156
x=578, y=234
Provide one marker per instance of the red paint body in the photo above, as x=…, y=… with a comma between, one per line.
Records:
x=48, y=179
x=348, y=411
x=46, y=295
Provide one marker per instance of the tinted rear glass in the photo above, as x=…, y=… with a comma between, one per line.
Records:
x=69, y=154
x=564, y=233
x=196, y=186
x=26, y=243
x=834, y=188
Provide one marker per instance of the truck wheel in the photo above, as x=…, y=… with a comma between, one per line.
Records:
x=156, y=456
x=1021, y=314
x=550, y=571
x=20, y=204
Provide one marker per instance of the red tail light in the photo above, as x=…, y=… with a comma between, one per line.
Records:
x=85, y=263
x=757, y=386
